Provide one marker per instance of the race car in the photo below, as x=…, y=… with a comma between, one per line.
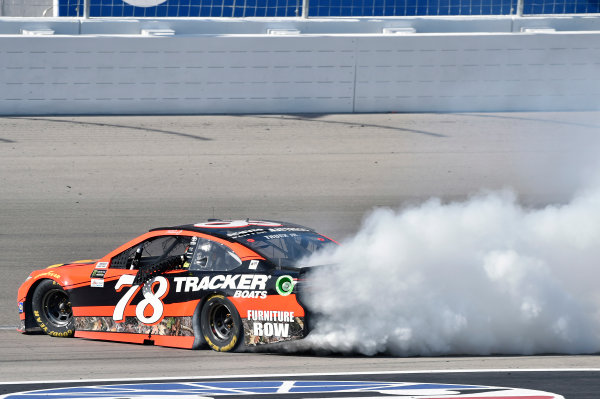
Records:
x=221, y=283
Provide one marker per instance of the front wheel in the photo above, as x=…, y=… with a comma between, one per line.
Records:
x=221, y=324
x=52, y=309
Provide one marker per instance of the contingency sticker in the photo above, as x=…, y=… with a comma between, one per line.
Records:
x=98, y=273
x=97, y=283
x=102, y=265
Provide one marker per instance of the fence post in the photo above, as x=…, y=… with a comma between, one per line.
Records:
x=520, y=8
x=304, y=8
x=86, y=8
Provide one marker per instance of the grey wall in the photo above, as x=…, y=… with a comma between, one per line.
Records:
x=49, y=67
x=25, y=8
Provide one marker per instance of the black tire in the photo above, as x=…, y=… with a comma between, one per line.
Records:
x=199, y=341
x=52, y=309
x=221, y=324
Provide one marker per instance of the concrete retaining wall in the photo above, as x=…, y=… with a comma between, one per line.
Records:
x=282, y=66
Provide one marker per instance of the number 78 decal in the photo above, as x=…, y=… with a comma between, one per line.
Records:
x=152, y=299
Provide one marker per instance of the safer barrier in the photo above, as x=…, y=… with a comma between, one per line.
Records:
x=282, y=66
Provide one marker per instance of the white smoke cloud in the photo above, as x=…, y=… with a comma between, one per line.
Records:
x=484, y=276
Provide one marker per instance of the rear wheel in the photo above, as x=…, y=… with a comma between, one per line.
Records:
x=52, y=309
x=221, y=324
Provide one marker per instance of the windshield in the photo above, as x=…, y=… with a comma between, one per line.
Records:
x=286, y=248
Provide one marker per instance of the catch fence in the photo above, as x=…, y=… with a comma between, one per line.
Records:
x=319, y=8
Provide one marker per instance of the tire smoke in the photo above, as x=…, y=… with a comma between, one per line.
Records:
x=484, y=276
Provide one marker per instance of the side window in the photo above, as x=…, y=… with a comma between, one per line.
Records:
x=214, y=256
x=151, y=251
x=124, y=259
x=159, y=248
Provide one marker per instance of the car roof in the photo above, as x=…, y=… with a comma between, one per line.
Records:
x=232, y=229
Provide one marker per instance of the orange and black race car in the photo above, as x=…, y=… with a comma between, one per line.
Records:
x=220, y=283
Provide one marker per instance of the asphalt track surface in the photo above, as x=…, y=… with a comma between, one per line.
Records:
x=77, y=187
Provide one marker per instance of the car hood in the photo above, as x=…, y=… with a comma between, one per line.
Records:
x=75, y=263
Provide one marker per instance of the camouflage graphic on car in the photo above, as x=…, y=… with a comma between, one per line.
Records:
x=171, y=326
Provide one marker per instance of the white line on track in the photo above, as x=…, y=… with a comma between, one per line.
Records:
x=252, y=376
x=286, y=386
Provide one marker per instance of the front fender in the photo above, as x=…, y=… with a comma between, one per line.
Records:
x=65, y=275
x=28, y=323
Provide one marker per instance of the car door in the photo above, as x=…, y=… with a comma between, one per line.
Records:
x=142, y=302
x=112, y=303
